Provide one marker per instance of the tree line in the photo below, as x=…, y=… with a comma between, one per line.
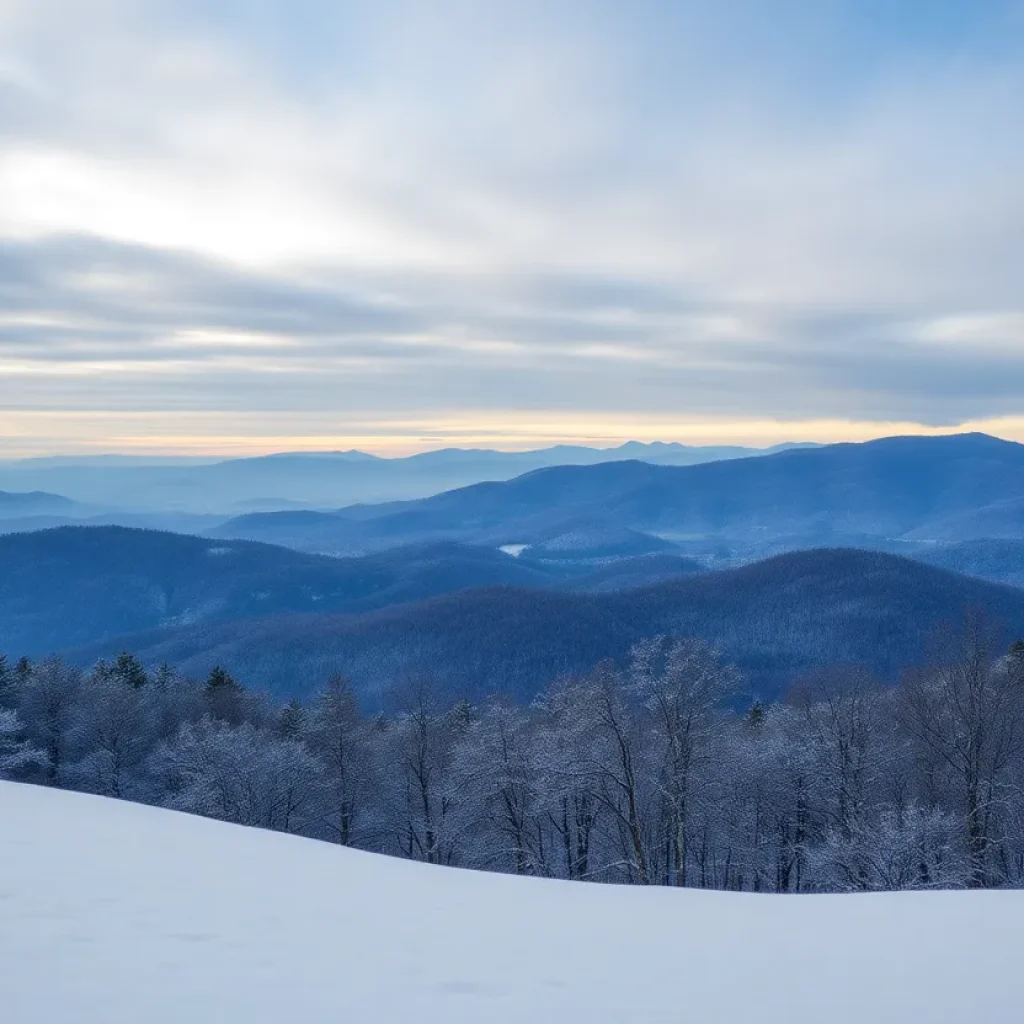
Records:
x=640, y=773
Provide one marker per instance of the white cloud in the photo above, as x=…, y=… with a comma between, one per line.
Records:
x=514, y=204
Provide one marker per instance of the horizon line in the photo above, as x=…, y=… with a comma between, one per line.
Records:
x=390, y=447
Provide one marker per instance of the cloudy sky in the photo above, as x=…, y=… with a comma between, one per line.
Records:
x=233, y=225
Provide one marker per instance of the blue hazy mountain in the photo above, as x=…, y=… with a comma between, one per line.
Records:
x=875, y=492
x=22, y=504
x=309, y=479
x=76, y=585
x=998, y=560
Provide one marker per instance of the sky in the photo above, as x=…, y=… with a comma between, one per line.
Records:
x=233, y=226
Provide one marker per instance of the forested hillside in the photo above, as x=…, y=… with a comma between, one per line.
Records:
x=776, y=619
x=74, y=585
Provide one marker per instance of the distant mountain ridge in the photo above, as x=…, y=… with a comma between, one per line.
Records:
x=886, y=489
x=35, y=503
x=312, y=479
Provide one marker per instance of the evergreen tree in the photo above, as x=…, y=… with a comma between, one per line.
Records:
x=754, y=718
x=128, y=669
x=223, y=696
x=22, y=671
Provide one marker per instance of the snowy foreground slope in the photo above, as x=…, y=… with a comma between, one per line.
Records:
x=111, y=913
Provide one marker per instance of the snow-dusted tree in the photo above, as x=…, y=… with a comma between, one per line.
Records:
x=625, y=770
x=915, y=848
x=115, y=731
x=682, y=683
x=48, y=696
x=8, y=693
x=16, y=752
x=340, y=738
x=841, y=718
x=240, y=774
x=748, y=838
x=494, y=783
x=567, y=777
x=967, y=712
x=793, y=791
x=416, y=751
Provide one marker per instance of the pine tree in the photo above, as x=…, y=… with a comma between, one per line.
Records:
x=223, y=696
x=128, y=669
x=22, y=671
x=754, y=718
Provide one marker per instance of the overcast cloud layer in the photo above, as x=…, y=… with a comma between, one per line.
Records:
x=234, y=225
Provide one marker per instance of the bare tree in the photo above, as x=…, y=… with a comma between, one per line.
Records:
x=568, y=776
x=682, y=683
x=968, y=711
x=338, y=736
x=418, y=751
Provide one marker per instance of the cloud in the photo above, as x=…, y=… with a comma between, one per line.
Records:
x=374, y=212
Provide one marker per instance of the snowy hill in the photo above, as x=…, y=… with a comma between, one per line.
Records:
x=113, y=913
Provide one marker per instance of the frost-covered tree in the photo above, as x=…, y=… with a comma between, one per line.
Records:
x=625, y=769
x=115, y=731
x=241, y=774
x=682, y=684
x=966, y=713
x=342, y=741
x=495, y=783
x=567, y=778
x=48, y=705
x=16, y=752
x=417, y=749
x=915, y=848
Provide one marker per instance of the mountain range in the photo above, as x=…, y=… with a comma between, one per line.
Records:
x=311, y=479
x=878, y=492
x=504, y=585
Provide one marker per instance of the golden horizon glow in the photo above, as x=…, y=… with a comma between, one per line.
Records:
x=33, y=434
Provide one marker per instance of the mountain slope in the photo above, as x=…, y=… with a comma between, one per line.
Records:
x=166, y=918
x=886, y=489
x=1001, y=561
x=1001, y=519
x=75, y=585
x=17, y=504
x=776, y=619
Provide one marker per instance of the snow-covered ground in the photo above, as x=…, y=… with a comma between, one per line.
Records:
x=111, y=913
